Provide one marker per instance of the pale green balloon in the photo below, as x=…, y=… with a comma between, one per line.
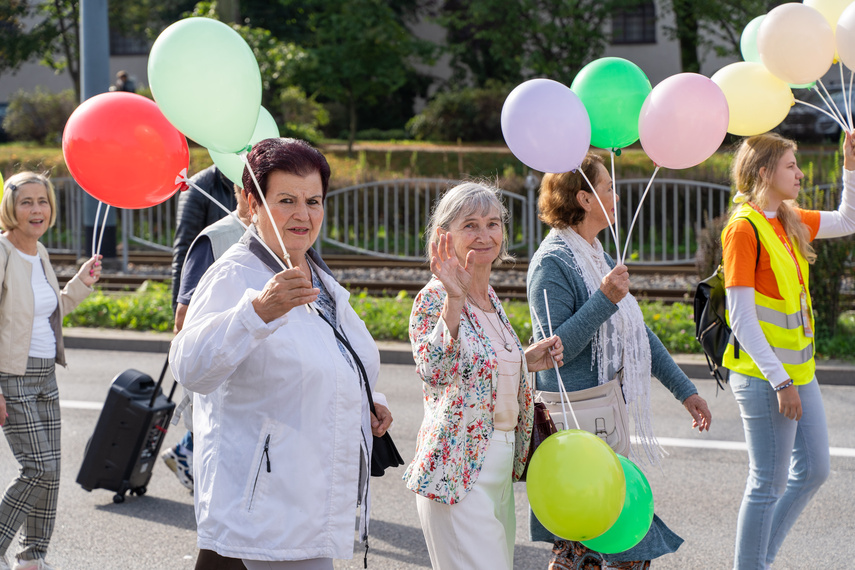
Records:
x=230, y=164
x=206, y=81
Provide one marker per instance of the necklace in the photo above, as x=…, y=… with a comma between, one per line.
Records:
x=499, y=330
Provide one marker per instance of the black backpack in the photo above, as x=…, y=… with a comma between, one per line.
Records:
x=711, y=327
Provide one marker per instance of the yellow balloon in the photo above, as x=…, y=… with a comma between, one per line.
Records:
x=830, y=9
x=575, y=485
x=758, y=101
x=796, y=43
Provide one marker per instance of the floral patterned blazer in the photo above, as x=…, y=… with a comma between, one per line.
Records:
x=460, y=378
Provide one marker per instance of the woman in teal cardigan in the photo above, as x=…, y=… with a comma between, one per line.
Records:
x=602, y=330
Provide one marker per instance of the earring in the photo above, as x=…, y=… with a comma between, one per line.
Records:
x=255, y=218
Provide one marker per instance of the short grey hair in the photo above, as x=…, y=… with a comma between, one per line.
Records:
x=461, y=201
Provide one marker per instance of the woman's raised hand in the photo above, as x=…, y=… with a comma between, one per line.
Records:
x=444, y=264
x=849, y=151
x=285, y=290
x=615, y=285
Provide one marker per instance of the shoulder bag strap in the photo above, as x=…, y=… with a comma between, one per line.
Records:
x=359, y=365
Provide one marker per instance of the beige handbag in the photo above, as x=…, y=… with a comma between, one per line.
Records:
x=600, y=410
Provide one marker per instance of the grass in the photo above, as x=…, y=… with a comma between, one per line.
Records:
x=387, y=318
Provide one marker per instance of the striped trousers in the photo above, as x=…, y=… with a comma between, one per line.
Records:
x=32, y=431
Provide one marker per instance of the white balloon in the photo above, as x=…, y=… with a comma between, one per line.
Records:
x=796, y=43
x=845, y=37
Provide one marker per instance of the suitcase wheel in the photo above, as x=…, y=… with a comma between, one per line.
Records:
x=118, y=498
x=139, y=491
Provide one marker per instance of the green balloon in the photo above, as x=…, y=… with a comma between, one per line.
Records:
x=230, y=164
x=613, y=90
x=635, y=518
x=205, y=80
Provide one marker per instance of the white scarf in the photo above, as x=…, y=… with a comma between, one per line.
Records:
x=621, y=341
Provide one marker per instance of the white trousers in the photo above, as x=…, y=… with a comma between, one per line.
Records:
x=480, y=530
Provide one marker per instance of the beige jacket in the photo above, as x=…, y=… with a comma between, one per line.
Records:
x=17, y=307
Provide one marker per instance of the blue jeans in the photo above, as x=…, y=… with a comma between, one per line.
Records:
x=788, y=462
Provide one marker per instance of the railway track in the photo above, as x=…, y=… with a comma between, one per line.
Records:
x=156, y=268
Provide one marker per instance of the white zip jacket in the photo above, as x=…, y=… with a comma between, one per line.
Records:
x=279, y=416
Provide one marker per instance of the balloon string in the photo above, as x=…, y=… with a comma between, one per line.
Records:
x=615, y=202
x=832, y=106
x=231, y=213
x=851, y=75
x=103, y=225
x=823, y=111
x=635, y=217
x=95, y=227
x=846, y=104
x=310, y=307
x=611, y=228
x=561, y=390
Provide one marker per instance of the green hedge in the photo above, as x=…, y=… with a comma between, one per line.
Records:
x=148, y=309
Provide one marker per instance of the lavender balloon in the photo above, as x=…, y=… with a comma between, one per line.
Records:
x=546, y=126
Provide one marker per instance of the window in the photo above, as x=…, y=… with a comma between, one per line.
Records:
x=635, y=25
x=125, y=45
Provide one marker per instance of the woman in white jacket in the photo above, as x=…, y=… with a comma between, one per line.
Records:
x=281, y=421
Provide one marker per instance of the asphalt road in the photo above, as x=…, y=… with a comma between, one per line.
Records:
x=697, y=491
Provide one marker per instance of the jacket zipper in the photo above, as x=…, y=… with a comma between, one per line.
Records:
x=264, y=455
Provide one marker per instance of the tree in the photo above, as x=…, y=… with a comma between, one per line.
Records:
x=512, y=40
x=702, y=26
x=360, y=52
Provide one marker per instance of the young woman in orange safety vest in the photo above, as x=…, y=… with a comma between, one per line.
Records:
x=772, y=363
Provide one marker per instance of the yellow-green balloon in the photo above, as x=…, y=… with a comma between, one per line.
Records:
x=575, y=485
x=635, y=517
x=230, y=164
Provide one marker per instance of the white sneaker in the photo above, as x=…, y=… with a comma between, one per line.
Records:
x=4, y=565
x=37, y=564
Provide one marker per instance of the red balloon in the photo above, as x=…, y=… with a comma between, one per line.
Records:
x=121, y=149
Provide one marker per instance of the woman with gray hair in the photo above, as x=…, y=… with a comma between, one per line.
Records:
x=474, y=439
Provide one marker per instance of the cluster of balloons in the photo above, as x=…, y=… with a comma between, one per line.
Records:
x=610, y=105
x=581, y=490
x=131, y=152
x=791, y=47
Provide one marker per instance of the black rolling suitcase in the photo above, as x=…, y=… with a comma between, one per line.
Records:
x=122, y=451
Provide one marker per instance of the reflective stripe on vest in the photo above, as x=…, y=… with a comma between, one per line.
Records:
x=780, y=319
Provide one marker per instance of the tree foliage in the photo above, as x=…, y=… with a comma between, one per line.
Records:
x=513, y=40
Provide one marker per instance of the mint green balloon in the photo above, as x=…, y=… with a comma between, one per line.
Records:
x=748, y=48
x=230, y=164
x=613, y=90
x=205, y=80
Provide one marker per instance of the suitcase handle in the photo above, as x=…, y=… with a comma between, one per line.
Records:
x=160, y=383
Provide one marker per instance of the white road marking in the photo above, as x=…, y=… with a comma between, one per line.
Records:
x=732, y=445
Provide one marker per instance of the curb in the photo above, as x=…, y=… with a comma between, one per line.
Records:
x=831, y=373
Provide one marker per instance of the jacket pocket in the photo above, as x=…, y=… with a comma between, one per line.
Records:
x=260, y=468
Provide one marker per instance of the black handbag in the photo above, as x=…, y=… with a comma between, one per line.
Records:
x=384, y=454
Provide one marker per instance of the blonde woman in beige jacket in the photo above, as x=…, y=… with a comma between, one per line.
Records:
x=31, y=311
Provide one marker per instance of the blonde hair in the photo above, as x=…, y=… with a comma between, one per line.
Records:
x=8, y=219
x=765, y=151
x=461, y=201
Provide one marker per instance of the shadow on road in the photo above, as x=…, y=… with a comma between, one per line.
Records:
x=153, y=509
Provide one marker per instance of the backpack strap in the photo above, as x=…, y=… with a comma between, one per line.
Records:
x=756, y=265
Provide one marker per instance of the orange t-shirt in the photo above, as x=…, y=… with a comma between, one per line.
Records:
x=740, y=254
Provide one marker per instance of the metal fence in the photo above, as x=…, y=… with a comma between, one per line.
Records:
x=388, y=219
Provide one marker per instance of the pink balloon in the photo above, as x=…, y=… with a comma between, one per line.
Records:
x=546, y=126
x=683, y=121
